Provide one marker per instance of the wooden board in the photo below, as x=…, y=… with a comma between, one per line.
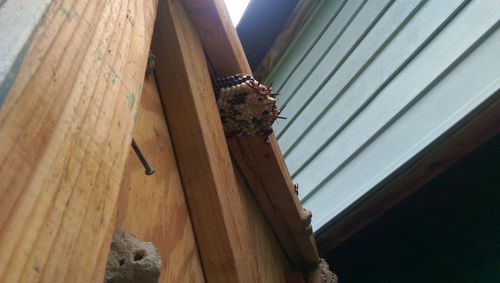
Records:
x=272, y=263
x=65, y=131
x=261, y=163
x=276, y=196
x=218, y=36
x=153, y=207
x=214, y=199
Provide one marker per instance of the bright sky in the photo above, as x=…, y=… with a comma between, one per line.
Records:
x=236, y=9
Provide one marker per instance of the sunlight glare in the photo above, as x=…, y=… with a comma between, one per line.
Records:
x=236, y=9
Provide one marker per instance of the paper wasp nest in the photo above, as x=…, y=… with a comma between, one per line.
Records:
x=246, y=106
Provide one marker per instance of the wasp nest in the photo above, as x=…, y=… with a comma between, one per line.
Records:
x=246, y=106
x=131, y=260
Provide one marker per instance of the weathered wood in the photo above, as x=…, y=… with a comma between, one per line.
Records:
x=292, y=28
x=449, y=149
x=153, y=207
x=214, y=199
x=65, y=130
x=261, y=163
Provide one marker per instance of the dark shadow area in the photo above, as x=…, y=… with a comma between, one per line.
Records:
x=260, y=25
x=448, y=231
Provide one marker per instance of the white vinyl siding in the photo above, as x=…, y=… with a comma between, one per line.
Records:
x=369, y=85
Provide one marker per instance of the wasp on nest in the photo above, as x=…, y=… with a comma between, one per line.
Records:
x=246, y=107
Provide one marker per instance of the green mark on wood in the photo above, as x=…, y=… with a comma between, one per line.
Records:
x=114, y=75
x=69, y=14
x=131, y=101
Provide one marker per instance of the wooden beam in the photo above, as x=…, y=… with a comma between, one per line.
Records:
x=271, y=259
x=214, y=198
x=261, y=163
x=218, y=36
x=65, y=131
x=469, y=135
x=153, y=207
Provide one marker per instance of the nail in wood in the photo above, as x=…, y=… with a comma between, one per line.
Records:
x=149, y=170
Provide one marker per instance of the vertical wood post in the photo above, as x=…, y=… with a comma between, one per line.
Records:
x=215, y=201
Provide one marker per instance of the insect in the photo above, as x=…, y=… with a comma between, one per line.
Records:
x=151, y=63
x=246, y=107
x=267, y=132
x=296, y=188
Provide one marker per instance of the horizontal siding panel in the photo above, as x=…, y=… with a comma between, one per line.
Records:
x=423, y=123
x=413, y=37
x=400, y=75
x=313, y=30
x=321, y=45
x=410, y=84
x=338, y=86
x=317, y=67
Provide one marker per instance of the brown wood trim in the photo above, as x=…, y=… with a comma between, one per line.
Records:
x=218, y=36
x=261, y=162
x=215, y=201
x=295, y=277
x=294, y=25
x=272, y=261
x=482, y=126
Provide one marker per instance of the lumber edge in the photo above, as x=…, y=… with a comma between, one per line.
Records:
x=215, y=203
x=261, y=162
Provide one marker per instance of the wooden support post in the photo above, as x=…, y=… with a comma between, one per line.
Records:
x=65, y=132
x=214, y=198
x=261, y=163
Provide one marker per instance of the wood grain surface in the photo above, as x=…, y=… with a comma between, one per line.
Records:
x=218, y=36
x=65, y=132
x=214, y=199
x=153, y=207
x=261, y=163
x=272, y=262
